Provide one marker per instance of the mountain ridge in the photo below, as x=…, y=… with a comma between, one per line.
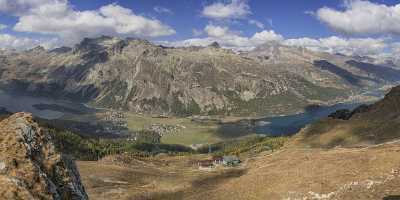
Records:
x=136, y=75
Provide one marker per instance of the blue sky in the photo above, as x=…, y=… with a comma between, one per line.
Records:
x=334, y=25
x=288, y=17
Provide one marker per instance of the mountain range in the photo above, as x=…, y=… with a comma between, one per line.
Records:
x=137, y=75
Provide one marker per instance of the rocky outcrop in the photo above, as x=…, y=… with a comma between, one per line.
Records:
x=346, y=114
x=30, y=168
x=343, y=114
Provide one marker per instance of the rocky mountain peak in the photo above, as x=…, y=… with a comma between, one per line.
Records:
x=37, y=49
x=215, y=45
x=30, y=168
x=61, y=50
x=108, y=46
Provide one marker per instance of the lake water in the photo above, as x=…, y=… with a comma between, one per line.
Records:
x=273, y=126
x=21, y=103
x=290, y=124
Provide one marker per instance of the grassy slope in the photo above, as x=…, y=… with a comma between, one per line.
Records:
x=288, y=173
x=298, y=173
x=193, y=133
x=329, y=133
x=166, y=177
x=379, y=123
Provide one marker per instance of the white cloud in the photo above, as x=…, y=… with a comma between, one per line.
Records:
x=62, y=22
x=351, y=46
x=265, y=36
x=217, y=31
x=58, y=18
x=161, y=10
x=197, y=32
x=20, y=7
x=257, y=23
x=232, y=39
x=3, y=26
x=362, y=17
x=396, y=48
x=236, y=9
x=11, y=42
x=228, y=38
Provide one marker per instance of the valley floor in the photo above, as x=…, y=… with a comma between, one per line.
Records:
x=291, y=173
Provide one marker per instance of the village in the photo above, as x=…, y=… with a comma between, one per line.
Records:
x=116, y=122
x=218, y=161
x=163, y=129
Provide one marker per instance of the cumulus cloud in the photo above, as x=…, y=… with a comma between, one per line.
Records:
x=19, y=43
x=362, y=17
x=256, y=23
x=58, y=18
x=66, y=25
x=218, y=31
x=197, y=32
x=396, y=48
x=236, y=9
x=334, y=44
x=229, y=39
x=161, y=10
x=20, y=7
x=233, y=39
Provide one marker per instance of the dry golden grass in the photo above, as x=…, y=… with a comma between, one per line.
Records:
x=294, y=172
x=158, y=178
x=297, y=173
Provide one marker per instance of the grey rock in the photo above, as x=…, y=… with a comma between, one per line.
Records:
x=136, y=75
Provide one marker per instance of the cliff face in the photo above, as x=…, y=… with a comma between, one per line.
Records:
x=30, y=168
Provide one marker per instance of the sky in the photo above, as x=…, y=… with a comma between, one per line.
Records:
x=353, y=27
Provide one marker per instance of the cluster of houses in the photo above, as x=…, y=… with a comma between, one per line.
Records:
x=115, y=121
x=144, y=136
x=229, y=160
x=111, y=115
x=116, y=117
x=163, y=129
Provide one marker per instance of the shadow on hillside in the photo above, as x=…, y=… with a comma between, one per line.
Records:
x=198, y=186
x=392, y=197
x=233, y=130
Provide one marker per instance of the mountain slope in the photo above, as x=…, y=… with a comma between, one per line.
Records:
x=372, y=124
x=324, y=68
x=296, y=173
x=139, y=76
